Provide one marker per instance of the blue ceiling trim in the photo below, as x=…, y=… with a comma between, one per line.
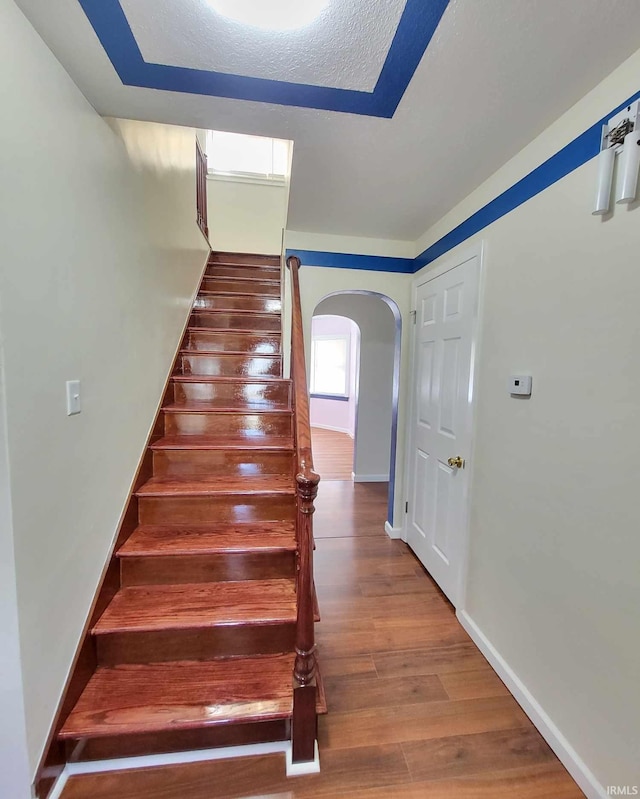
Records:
x=415, y=30
x=574, y=155
x=343, y=260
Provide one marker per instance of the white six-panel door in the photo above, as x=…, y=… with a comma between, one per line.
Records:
x=441, y=421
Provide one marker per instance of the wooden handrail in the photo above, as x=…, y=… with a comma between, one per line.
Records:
x=304, y=673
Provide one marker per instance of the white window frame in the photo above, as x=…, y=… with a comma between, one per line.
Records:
x=347, y=369
x=244, y=177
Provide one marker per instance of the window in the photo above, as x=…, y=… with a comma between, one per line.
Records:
x=250, y=157
x=330, y=365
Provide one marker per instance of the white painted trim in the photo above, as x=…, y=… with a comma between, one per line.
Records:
x=257, y=180
x=393, y=532
x=180, y=758
x=300, y=769
x=59, y=785
x=428, y=273
x=369, y=478
x=335, y=429
x=541, y=720
x=441, y=267
x=478, y=326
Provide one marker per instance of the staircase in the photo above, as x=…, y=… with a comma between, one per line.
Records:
x=210, y=595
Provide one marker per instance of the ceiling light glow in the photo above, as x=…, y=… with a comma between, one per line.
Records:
x=273, y=15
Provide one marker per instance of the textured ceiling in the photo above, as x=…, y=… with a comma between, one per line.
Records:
x=502, y=70
x=345, y=48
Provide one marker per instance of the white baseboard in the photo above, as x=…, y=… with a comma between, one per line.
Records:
x=369, y=478
x=545, y=726
x=392, y=532
x=335, y=429
x=178, y=758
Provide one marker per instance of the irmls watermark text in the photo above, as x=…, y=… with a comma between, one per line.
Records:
x=623, y=790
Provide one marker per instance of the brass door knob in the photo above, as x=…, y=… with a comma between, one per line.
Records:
x=456, y=462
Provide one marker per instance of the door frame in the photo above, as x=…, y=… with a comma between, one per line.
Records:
x=395, y=395
x=428, y=273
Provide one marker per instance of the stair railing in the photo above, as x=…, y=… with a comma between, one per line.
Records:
x=304, y=723
x=201, y=190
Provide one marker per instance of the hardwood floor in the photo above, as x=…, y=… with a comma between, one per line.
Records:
x=332, y=454
x=415, y=711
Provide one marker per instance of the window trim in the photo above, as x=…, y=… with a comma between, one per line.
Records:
x=337, y=397
x=265, y=178
x=236, y=177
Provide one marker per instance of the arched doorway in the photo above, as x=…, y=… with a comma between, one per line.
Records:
x=376, y=427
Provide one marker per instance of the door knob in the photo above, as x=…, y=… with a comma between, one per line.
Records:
x=456, y=462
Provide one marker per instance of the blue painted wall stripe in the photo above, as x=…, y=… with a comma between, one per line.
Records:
x=343, y=260
x=415, y=30
x=574, y=155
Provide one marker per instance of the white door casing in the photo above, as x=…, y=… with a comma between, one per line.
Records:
x=440, y=425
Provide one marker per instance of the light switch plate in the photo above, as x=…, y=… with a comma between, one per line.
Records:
x=74, y=404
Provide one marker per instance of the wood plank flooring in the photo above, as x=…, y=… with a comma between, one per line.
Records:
x=332, y=454
x=415, y=711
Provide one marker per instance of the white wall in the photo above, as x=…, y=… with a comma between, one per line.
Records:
x=358, y=245
x=246, y=217
x=338, y=414
x=375, y=392
x=553, y=581
x=100, y=259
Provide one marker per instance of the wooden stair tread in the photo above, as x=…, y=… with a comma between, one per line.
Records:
x=180, y=378
x=156, y=540
x=230, y=354
x=245, y=294
x=146, y=698
x=248, y=330
x=246, y=311
x=224, y=442
x=254, y=260
x=223, y=406
x=269, y=281
x=205, y=406
x=199, y=605
x=199, y=486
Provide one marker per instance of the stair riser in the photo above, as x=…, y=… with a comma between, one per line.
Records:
x=244, y=258
x=260, y=288
x=272, y=395
x=200, y=644
x=215, y=302
x=223, y=567
x=231, y=272
x=117, y=746
x=230, y=365
x=233, y=342
x=212, y=510
x=253, y=425
x=183, y=463
x=235, y=321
